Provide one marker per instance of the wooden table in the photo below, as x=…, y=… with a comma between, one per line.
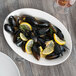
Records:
x=68, y=68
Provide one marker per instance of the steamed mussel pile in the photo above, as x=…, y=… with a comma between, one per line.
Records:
x=36, y=36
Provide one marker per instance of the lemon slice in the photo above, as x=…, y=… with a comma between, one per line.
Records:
x=23, y=37
x=49, y=49
x=58, y=40
x=41, y=52
x=28, y=46
x=25, y=25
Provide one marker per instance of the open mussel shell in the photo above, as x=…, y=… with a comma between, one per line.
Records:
x=9, y=28
x=12, y=21
x=36, y=51
x=18, y=20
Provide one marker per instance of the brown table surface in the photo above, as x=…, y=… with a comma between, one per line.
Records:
x=68, y=68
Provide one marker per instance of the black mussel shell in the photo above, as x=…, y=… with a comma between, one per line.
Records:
x=28, y=34
x=36, y=51
x=35, y=33
x=66, y=48
x=58, y=49
x=45, y=37
x=43, y=31
x=31, y=20
x=59, y=33
x=35, y=39
x=14, y=38
x=17, y=32
x=9, y=28
x=19, y=42
x=50, y=36
x=52, y=56
x=12, y=21
x=43, y=23
x=23, y=46
x=41, y=42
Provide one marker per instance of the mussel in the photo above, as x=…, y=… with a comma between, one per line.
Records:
x=35, y=39
x=31, y=20
x=12, y=21
x=43, y=23
x=36, y=51
x=59, y=33
x=18, y=20
x=58, y=49
x=16, y=36
x=43, y=31
x=23, y=46
x=9, y=28
x=28, y=34
x=41, y=42
x=52, y=56
x=19, y=42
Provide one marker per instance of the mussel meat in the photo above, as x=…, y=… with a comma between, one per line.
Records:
x=12, y=21
x=36, y=51
x=9, y=28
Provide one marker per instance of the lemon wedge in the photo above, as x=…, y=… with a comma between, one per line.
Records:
x=23, y=37
x=25, y=26
x=41, y=52
x=28, y=46
x=49, y=49
x=41, y=49
x=58, y=40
